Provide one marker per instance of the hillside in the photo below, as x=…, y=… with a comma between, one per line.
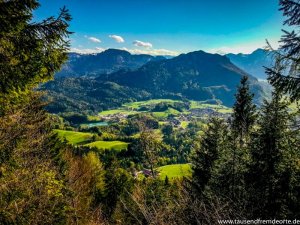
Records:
x=196, y=76
x=253, y=63
x=105, y=62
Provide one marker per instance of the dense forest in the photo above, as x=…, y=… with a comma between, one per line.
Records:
x=242, y=166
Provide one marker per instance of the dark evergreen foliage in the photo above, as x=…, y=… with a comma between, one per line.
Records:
x=244, y=112
x=272, y=171
x=284, y=75
x=203, y=162
x=31, y=52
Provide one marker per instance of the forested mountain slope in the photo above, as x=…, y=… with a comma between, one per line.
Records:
x=196, y=76
x=108, y=61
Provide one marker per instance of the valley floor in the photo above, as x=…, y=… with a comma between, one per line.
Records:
x=102, y=131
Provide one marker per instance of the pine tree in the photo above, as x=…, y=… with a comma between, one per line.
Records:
x=244, y=112
x=204, y=159
x=272, y=162
x=243, y=119
x=31, y=181
x=31, y=52
x=285, y=74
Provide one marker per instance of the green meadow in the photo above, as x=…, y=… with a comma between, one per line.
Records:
x=116, y=145
x=135, y=108
x=216, y=107
x=174, y=171
x=136, y=105
x=74, y=137
x=165, y=114
x=115, y=111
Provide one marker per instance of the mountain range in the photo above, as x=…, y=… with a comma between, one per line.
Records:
x=253, y=63
x=196, y=75
x=107, y=80
x=113, y=60
x=105, y=62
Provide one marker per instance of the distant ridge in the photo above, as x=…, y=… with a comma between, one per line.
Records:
x=254, y=62
x=196, y=76
x=108, y=61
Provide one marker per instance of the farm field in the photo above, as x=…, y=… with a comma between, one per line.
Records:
x=136, y=105
x=217, y=108
x=174, y=171
x=166, y=113
x=116, y=145
x=82, y=138
x=116, y=111
x=74, y=137
x=149, y=105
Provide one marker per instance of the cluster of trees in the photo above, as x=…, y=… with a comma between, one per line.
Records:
x=251, y=163
x=88, y=95
x=65, y=95
x=245, y=168
x=179, y=106
x=32, y=186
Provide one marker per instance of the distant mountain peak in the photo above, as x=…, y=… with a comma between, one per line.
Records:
x=198, y=57
x=115, y=51
x=108, y=61
x=259, y=50
x=196, y=75
x=254, y=62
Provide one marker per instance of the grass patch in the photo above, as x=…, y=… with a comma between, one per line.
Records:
x=133, y=107
x=74, y=137
x=116, y=145
x=92, y=118
x=224, y=110
x=184, y=124
x=165, y=114
x=175, y=171
x=195, y=105
x=113, y=111
x=136, y=105
x=161, y=123
x=160, y=115
x=218, y=108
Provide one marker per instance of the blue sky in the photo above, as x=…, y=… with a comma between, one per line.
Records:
x=169, y=26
